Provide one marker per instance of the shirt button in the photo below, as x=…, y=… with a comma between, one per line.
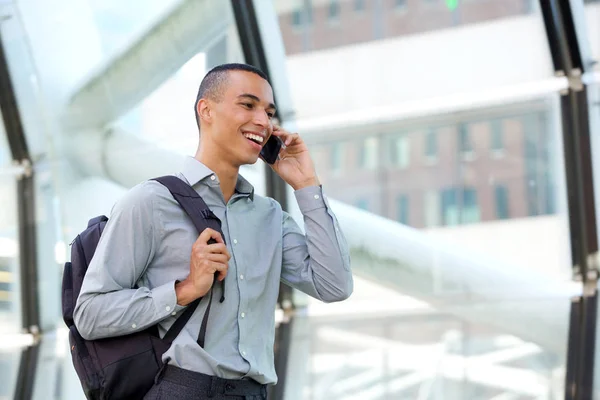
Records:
x=212, y=178
x=168, y=308
x=243, y=353
x=243, y=315
x=242, y=277
x=317, y=197
x=173, y=313
x=134, y=326
x=234, y=241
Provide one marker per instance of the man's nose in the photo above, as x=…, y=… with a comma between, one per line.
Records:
x=261, y=119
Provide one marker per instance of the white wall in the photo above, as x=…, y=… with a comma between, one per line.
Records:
x=471, y=58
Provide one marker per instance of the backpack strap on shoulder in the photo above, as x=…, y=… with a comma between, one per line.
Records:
x=192, y=203
x=202, y=218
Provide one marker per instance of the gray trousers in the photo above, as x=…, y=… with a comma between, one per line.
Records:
x=174, y=383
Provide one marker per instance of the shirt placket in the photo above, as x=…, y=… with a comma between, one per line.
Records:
x=236, y=246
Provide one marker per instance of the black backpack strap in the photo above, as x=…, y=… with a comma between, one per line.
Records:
x=183, y=319
x=202, y=218
x=192, y=203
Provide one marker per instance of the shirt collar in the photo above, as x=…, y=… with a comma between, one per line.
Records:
x=194, y=172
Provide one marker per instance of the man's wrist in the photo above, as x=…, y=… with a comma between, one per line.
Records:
x=309, y=182
x=185, y=292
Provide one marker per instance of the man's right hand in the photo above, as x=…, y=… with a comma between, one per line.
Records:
x=209, y=255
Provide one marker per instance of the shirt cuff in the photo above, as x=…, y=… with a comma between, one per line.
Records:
x=165, y=299
x=310, y=198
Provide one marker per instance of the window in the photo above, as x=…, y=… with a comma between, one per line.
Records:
x=400, y=151
x=464, y=140
x=431, y=144
x=501, y=196
x=359, y=5
x=400, y=4
x=470, y=208
x=297, y=18
x=363, y=204
x=337, y=158
x=449, y=208
x=368, y=154
x=334, y=10
x=497, y=142
x=402, y=212
x=432, y=209
x=302, y=16
x=459, y=206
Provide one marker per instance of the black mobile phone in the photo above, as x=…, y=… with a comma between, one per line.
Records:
x=271, y=149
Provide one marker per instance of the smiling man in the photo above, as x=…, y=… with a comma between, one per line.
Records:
x=150, y=243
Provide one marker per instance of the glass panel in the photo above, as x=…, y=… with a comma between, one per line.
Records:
x=102, y=109
x=465, y=150
x=9, y=367
x=592, y=14
x=10, y=293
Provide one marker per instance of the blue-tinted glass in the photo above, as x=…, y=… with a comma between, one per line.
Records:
x=431, y=143
x=403, y=209
x=501, y=197
x=464, y=141
x=497, y=142
x=334, y=9
x=336, y=156
x=297, y=17
x=363, y=204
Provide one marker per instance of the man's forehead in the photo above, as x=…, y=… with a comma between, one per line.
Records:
x=245, y=82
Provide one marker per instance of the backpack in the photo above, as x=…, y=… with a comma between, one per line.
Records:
x=125, y=367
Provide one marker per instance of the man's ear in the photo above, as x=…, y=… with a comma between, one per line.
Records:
x=204, y=110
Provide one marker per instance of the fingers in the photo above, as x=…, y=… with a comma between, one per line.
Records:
x=217, y=257
x=288, y=139
x=218, y=248
x=222, y=269
x=210, y=267
x=208, y=234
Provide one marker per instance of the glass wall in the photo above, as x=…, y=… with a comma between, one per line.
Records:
x=443, y=160
x=441, y=156
x=10, y=295
x=592, y=20
x=106, y=92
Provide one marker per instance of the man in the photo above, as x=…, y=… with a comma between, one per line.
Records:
x=151, y=243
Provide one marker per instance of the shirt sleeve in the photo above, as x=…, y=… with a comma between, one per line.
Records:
x=107, y=305
x=318, y=262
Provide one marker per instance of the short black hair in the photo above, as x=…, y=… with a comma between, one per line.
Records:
x=212, y=85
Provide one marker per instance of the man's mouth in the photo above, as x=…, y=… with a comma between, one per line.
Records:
x=254, y=137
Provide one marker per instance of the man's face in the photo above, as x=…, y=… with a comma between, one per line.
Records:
x=241, y=121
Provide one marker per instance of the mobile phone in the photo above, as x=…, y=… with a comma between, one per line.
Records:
x=271, y=149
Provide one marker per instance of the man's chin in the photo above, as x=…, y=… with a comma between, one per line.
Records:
x=250, y=161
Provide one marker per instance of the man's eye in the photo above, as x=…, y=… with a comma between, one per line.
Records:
x=271, y=115
x=248, y=105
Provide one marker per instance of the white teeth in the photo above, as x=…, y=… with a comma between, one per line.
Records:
x=258, y=138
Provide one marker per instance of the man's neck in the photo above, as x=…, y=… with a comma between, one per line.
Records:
x=227, y=174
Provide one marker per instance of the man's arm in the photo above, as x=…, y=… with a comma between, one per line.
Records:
x=317, y=263
x=107, y=305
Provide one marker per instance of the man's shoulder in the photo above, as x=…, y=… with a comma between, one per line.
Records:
x=142, y=195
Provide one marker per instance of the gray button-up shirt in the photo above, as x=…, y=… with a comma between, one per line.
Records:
x=147, y=242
